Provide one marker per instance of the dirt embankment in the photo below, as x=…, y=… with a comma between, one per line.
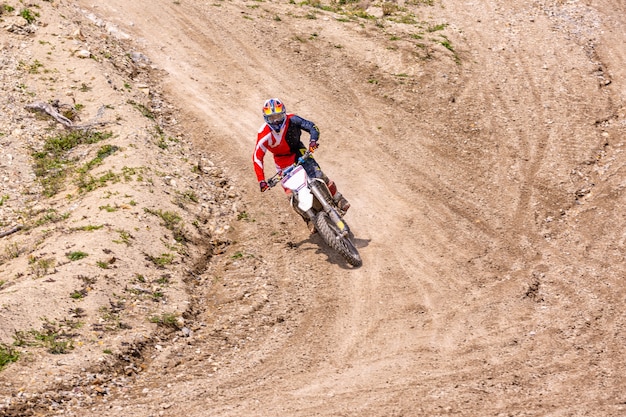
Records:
x=481, y=147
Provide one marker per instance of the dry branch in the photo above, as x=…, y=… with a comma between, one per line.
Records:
x=51, y=111
x=11, y=231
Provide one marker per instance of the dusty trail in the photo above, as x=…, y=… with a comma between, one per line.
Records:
x=464, y=204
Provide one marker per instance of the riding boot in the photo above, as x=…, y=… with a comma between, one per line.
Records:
x=342, y=203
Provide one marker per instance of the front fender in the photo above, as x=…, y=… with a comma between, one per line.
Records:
x=305, y=199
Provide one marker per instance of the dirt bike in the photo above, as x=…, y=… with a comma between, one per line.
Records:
x=311, y=198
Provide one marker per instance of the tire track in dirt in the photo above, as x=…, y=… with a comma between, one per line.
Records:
x=441, y=315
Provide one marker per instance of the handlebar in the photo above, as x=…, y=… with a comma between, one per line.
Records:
x=275, y=179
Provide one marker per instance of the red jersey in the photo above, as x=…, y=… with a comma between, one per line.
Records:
x=285, y=145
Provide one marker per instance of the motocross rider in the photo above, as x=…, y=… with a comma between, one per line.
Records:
x=280, y=134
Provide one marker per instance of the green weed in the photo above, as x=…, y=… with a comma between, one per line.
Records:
x=88, y=228
x=108, y=208
x=51, y=164
x=103, y=152
x=88, y=183
x=7, y=355
x=12, y=250
x=166, y=320
x=77, y=255
x=171, y=221
x=161, y=261
x=142, y=109
x=41, y=267
x=29, y=15
x=125, y=237
x=54, y=337
x=78, y=294
x=102, y=264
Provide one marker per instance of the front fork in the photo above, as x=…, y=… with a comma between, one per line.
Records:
x=316, y=189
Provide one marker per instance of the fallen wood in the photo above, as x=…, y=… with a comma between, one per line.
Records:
x=11, y=231
x=52, y=111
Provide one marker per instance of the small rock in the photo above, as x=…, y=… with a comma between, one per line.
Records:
x=83, y=53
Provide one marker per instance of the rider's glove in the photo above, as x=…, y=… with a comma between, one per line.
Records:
x=313, y=145
x=263, y=186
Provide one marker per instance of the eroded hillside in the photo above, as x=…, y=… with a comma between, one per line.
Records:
x=479, y=143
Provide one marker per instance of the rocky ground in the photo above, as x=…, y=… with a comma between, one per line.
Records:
x=480, y=144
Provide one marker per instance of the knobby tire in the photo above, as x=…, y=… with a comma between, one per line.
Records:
x=343, y=245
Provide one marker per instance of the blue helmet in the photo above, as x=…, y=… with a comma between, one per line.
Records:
x=274, y=114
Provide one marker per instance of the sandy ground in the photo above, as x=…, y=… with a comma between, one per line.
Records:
x=480, y=144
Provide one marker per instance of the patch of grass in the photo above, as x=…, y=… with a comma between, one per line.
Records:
x=87, y=183
x=41, y=267
x=55, y=338
x=128, y=172
x=7, y=355
x=163, y=279
x=244, y=216
x=145, y=111
x=162, y=260
x=103, y=152
x=436, y=28
x=88, y=228
x=140, y=278
x=51, y=163
x=445, y=42
x=171, y=221
x=163, y=141
x=363, y=14
x=407, y=19
x=125, y=237
x=424, y=2
x=77, y=255
x=108, y=208
x=102, y=264
x=51, y=216
x=110, y=318
x=78, y=294
x=189, y=195
x=12, y=250
x=166, y=320
x=32, y=68
x=29, y=15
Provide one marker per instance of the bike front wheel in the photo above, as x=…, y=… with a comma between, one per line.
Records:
x=333, y=236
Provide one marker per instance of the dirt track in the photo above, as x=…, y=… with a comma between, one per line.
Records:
x=486, y=188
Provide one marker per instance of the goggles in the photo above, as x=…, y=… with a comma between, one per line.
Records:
x=276, y=118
